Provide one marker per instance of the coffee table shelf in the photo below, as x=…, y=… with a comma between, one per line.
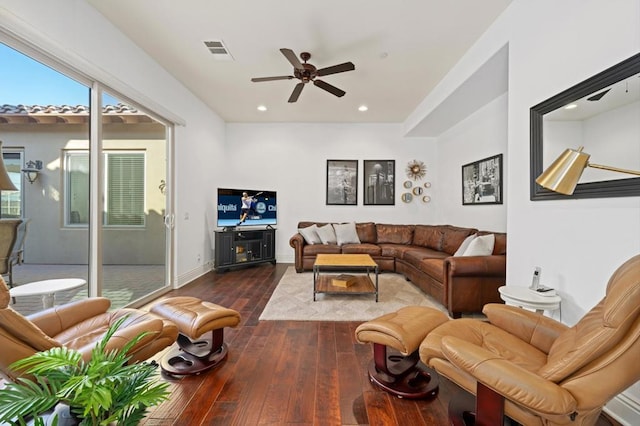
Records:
x=325, y=264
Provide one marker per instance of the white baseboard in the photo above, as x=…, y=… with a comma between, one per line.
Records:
x=191, y=275
x=624, y=410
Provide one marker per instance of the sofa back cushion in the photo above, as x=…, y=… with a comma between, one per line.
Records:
x=453, y=236
x=394, y=234
x=428, y=236
x=366, y=232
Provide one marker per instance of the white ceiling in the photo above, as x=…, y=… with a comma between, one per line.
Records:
x=401, y=49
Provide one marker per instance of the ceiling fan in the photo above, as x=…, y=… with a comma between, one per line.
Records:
x=307, y=73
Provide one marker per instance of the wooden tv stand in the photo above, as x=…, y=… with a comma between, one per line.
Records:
x=243, y=247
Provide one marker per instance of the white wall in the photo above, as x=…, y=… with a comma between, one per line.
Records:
x=79, y=36
x=483, y=134
x=578, y=243
x=291, y=158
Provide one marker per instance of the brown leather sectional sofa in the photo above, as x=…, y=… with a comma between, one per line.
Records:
x=424, y=255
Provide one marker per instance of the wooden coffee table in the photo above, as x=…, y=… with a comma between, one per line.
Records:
x=326, y=264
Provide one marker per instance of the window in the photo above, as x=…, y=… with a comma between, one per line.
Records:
x=124, y=202
x=11, y=201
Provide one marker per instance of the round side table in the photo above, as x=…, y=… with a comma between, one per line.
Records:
x=526, y=298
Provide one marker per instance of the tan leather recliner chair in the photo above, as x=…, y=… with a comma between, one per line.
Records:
x=548, y=373
x=78, y=325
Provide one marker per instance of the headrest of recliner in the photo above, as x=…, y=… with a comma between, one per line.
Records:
x=623, y=294
x=4, y=294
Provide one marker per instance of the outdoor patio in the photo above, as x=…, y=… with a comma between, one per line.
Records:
x=122, y=283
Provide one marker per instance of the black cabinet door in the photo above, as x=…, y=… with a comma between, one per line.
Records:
x=225, y=249
x=269, y=238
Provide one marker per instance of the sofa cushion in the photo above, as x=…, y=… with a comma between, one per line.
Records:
x=366, y=232
x=396, y=251
x=370, y=249
x=394, y=234
x=481, y=246
x=433, y=267
x=312, y=250
x=500, y=246
x=454, y=236
x=428, y=236
x=310, y=234
x=327, y=234
x=416, y=257
x=464, y=245
x=346, y=233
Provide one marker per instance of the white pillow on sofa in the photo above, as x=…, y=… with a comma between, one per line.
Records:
x=346, y=233
x=481, y=246
x=464, y=245
x=310, y=234
x=327, y=234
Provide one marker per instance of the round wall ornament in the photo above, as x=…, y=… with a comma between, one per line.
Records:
x=407, y=197
x=416, y=169
x=407, y=184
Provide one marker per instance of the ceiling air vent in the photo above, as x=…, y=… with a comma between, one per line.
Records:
x=218, y=50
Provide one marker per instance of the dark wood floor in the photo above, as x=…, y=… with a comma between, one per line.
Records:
x=286, y=372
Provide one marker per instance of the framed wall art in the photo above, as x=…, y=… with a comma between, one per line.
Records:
x=482, y=181
x=342, y=182
x=379, y=182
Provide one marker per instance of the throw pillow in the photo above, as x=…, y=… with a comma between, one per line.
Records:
x=310, y=234
x=346, y=233
x=465, y=244
x=327, y=234
x=481, y=246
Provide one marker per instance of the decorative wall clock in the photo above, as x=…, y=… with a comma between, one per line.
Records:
x=416, y=169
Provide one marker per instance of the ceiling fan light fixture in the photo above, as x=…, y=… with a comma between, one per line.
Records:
x=307, y=73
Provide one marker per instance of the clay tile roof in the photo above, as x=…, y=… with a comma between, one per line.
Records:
x=48, y=114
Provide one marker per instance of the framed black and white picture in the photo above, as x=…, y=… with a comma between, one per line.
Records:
x=379, y=182
x=342, y=182
x=482, y=181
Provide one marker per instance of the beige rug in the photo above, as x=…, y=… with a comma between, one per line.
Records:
x=293, y=300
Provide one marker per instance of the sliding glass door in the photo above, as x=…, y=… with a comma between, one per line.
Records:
x=114, y=163
x=134, y=238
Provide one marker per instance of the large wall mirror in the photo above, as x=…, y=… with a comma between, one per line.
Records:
x=603, y=115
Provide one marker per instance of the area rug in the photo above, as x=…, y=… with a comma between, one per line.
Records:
x=293, y=300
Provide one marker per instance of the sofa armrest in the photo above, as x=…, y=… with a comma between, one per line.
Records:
x=297, y=242
x=535, y=329
x=461, y=266
x=54, y=320
x=542, y=396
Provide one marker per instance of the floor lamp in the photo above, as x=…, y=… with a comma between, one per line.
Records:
x=563, y=175
x=5, y=180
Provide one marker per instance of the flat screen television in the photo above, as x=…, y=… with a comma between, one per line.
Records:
x=261, y=211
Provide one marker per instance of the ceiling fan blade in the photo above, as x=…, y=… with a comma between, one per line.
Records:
x=329, y=88
x=282, y=77
x=347, y=66
x=291, y=57
x=296, y=92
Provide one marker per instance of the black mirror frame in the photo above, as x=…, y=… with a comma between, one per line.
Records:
x=609, y=188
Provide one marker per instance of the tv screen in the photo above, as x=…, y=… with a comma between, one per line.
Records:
x=258, y=208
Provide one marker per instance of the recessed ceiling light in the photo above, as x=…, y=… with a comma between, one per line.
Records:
x=262, y=108
x=571, y=106
x=363, y=108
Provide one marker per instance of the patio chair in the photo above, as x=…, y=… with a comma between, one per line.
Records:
x=17, y=255
x=8, y=238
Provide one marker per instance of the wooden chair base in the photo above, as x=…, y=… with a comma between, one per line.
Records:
x=487, y=409
x=402, y=376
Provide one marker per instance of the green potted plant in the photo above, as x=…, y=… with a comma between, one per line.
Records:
x=105, y=390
